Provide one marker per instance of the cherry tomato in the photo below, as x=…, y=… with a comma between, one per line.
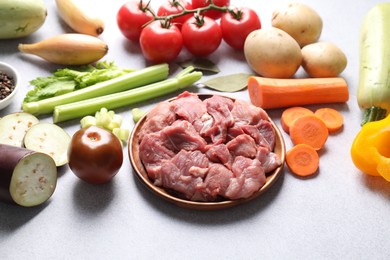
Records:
x=131, y=17
x=201, y=35
x=161, y=42
x=171, y=7
x=214, y=14
x=95, y=155
x=236, y=26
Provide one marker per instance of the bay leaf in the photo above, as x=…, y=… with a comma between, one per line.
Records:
x=228, y=83
x=200, y=64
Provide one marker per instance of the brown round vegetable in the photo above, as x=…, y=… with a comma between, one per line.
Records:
x=272, y=53
x=27, y=178
x=302, y=22
x=323, y=59
x=95, y=155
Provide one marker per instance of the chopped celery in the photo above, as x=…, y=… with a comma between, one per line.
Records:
x=122, y=133
x=108, y=120
x=87, y=107
x=128, y=81
x=88, y=121
x=137, y=114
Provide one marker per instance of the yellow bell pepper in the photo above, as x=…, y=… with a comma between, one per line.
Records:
x=370, y=149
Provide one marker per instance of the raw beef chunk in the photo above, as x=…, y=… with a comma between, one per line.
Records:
x=158, y=118
x=189, y=107
x=208, y=150
x=182, y=135
x=184, y=173
x=219, y=109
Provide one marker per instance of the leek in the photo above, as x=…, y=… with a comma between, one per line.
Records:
x=86, y=107
x=130, y=80
x=374, y=82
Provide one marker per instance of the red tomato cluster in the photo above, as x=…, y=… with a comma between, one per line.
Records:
x=201, y=34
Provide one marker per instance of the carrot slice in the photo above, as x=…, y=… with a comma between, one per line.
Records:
x=277, y=93
x=309, y=130
x=302, y=160
x=332, y=118
x=292, y=113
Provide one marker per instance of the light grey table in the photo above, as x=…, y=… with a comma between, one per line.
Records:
x=338, y=214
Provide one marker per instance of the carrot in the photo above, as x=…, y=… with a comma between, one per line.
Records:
x=292, y=113
x=277, y=93
x=302, y=160
x=309, y=130
x=332, y=118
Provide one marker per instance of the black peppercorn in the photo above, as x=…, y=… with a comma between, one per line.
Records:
x=7, y=85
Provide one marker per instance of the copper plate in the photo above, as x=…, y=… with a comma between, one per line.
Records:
x=133, y=150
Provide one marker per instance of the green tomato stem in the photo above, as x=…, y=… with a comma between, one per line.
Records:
x=186, y=11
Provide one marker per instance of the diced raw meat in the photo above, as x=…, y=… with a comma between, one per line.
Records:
x=185, y=172
x=219, y=101
x=191, y=163
x=245, y=113
x=249, y=178
x=269, y=160
x=189, y=107
x=234, y=131
x=172, y=178
x=207, y=150
x=268, y=132
x=152, y=152
x=255, y=133
x=203, y=124
x=242, y=145
x=219, y=108
x=216, y=182
x=219, y=154
x=158, y=118
x=182, y=135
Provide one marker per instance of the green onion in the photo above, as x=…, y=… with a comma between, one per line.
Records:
x=87, y=107
x=128, y=81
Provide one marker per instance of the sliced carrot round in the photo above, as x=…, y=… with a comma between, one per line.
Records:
x=309, y=130
x=302, y=160
x=292, y=113
x=332, y=118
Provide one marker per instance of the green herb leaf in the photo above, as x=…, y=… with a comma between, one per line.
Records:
x=228, y=83
x=200, y=64
x=70, y=79
x=49, y=88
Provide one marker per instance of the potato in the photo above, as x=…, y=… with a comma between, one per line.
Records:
x=272, y=53
x=302, y=22
x=323, y=59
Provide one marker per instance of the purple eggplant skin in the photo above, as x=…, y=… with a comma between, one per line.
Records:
x=12, y=158
x=9, y=158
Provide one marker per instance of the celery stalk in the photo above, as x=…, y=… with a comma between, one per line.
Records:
x=87, y=107
x=130, y=80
